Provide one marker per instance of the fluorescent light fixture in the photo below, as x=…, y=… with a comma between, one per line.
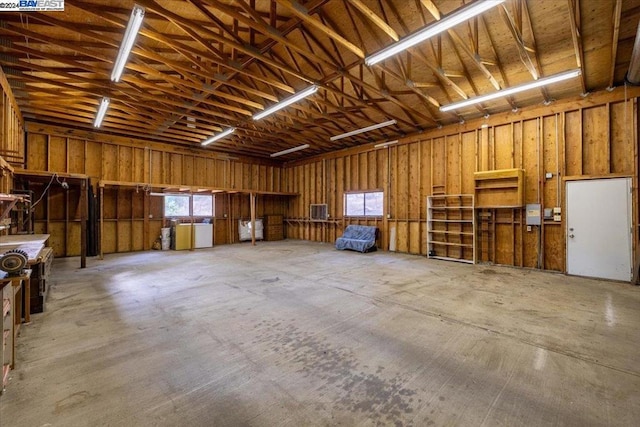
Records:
x=290, y=150
x=385, y=144
x=367, y=129
x=450, y=21
x=221, y=135
x=506, y=92
x=102, y=110
x=286, y=102
x=135, y=21
x=158, y=194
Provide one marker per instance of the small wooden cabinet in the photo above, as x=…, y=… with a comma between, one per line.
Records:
x=12, y=289
x=273, y=227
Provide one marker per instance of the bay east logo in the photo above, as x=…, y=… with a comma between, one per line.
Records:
x=31, y=5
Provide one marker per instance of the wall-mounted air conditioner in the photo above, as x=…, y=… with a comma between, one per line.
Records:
x=318, y=212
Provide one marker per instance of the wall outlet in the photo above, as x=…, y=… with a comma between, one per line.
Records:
x=528, y=228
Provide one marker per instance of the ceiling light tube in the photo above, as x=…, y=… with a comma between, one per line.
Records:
x=506, y=92
x=158, y=194
x=367, y=129
x=385, y=144
x=438, y=27
x=290, y=150
x=135, y=21
x=221, y=135
x=102, y=111
x=285, y=102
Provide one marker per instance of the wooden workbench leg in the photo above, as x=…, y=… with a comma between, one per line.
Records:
x=27, y=299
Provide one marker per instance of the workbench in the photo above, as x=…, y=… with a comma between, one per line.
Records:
x=40, y=257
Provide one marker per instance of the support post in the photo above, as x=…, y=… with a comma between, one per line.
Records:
x=252, y=202
x=101, y=222
x=84, y=207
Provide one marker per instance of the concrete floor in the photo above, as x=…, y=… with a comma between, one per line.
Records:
x=298, y=334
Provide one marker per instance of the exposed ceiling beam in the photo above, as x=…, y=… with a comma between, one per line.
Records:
x=303, y=13
x=574, y=20
x=617, y=12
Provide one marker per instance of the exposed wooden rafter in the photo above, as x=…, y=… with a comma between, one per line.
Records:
x=199, y=66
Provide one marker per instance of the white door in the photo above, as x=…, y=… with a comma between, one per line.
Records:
x=599, y=228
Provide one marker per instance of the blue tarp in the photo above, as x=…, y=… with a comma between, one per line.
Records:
x=361, y=238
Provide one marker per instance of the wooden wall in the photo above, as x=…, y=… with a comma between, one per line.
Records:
x=595, y=136
x=133, y=218
x=11, y=138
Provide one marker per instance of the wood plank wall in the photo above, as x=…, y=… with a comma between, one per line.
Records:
x=11, y=135
x=596, y=136
x=133, y=218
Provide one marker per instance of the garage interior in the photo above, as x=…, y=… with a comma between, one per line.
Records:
x=170, y=215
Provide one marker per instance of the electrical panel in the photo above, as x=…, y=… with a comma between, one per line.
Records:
x=533, y=214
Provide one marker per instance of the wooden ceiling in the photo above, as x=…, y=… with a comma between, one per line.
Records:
x=200, y=66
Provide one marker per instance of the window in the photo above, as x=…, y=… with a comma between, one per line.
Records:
x=363, y=204
x=176, y=205
x=181, y=205
x=202, y=205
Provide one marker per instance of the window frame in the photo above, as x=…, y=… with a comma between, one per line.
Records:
x=193, y=196
x=164, y=205
x=364, y=206
x=190, y=213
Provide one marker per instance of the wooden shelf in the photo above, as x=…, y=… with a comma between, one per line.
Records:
x=436, y=208
x=458, y=233
x=502, y=188
x=446, y=258
x=497, y=185
x=462, y=245
x=451, y=227
x=7, y=202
